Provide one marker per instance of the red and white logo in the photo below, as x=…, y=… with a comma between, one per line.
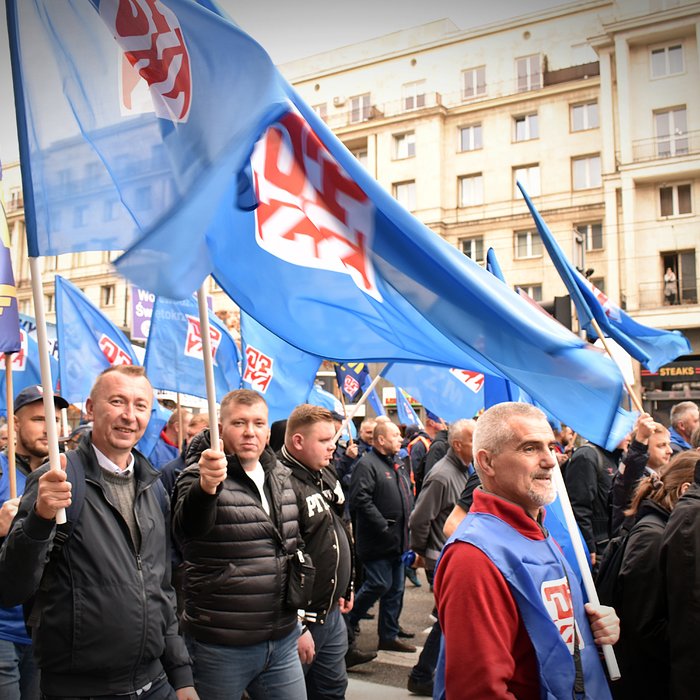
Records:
x=350, y=385
x=556, y=597
x=310, y=212
x=155, y=59
x=472, y=380
x=114, y=354
x=19, y=358
x=193, y=341
x=611, y=311
x=258, y=369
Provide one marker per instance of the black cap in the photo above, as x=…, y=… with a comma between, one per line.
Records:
x=36, y=393
x=337, y=416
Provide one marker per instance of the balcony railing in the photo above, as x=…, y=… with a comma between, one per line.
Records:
x=651, y=294
x=663, y=147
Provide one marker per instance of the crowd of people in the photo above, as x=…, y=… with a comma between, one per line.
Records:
x=245, y=568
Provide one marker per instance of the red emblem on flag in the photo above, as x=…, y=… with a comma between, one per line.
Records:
x=350, y=385
x=472, y=380
x=154, y=49
x=193, y=341
x=258, y=369
x=19, y=358
x=114, y=354
x=310, y=212
x=556, y=597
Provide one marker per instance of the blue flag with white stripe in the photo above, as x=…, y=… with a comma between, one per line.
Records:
x=404, y=410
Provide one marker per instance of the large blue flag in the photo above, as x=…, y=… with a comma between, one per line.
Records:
x=651, y=346
x=404, y=410
x=25, y=369
x=88, y=342
x=9, y=312
x=329, y=262
x=450, y=393
x=174, y=358
x=283, y=374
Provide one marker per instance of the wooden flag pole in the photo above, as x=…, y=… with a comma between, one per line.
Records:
x=9, y=402
x=633, y=396
x=208, y=367
x=180, y=423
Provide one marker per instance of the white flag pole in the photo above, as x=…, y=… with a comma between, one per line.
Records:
x=208, y=367
x=46, y=379
x=362, y=400
x=583, y=564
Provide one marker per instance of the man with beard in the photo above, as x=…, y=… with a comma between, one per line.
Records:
x=503, y=587
x=18, y=675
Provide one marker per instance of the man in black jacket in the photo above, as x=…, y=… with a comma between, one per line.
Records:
x=103, y=618
x=307, y=451
x=236, y=520
x=381, y=499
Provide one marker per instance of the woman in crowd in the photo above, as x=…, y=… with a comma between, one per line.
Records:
x=643, y=645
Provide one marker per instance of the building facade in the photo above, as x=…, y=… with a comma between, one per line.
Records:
x=592, y=105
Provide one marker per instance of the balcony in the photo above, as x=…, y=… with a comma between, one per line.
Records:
x=665, y=147
x=651, y=295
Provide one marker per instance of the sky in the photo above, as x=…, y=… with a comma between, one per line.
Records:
x=291, y=29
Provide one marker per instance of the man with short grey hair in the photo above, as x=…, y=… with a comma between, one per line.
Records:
x=503, y=581
x=685, y=418
x=441, y=489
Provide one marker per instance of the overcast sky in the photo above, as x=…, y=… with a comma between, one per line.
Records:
x=291, y=29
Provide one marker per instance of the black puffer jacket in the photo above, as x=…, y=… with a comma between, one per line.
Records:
x=380, y=500
x=107, y=621
x=235, y=554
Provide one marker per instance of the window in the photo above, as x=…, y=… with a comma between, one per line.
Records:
x=473, y=248
x=534, y=291
x=405, y=145
x=528, y=244
x=671, y=132
x=360, y=108
x=667, y=60
x=598, y=282
x=529, y=177
x=591, y=235
x=470, y=138
x=675, y=200
x=48, y=303
x=360, y=154
x=682, y=264
x=107, y=295
x=143, y=198
x=321, y=110
x=471, y=190
x=528, y=74
x=414, y=95
x=80, y=215
x=405, y=194
x=526, y=127
x=473, y=82
x=584, y=116
x=586, y=172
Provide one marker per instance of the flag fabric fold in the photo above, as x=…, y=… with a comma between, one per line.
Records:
x=174, y=357
x=88, y=342
x=280, y=372
x=650, y=346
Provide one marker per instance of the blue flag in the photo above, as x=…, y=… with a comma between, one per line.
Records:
x=318, y=396
x=156, y=423
x=174, y=358
x=650, y=346
x=88, y=342
x=404, y=410
x=25, y=369
x=328, y=261
x=353, y=378
x=373, y=399
x=9, y=313
x=283, y=374
x=450, y=393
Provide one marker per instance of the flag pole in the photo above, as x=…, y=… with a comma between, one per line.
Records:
x=9, y=402
x=362, y=400
x=46, y=379
x=208, y=367
x=583, y=563
x=633, y=396
x=180, y=422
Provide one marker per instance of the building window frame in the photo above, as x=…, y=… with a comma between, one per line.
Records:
x=470, y=190
x=672, y=136
x=470, y=137
x=586, y=173
x=527, y=244
x=589, y=119
x=404, y=193
x=360, y=107
x=676, y=200
x=404, y=145
x=591, y=233
x=107, y=295
x=526, y=127
x=533, y=290
x=530, y=176
x=670, y=61
x=473, y=248
x=413, y=95
x=473, y=82
x=528, y=73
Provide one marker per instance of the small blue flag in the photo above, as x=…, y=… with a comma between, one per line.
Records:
x=373, y=399
x=174, y=357
x=283, y=374
x=404, y=410
x=88, y=342
x=352, y=378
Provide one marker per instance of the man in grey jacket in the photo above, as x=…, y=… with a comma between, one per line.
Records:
x=441, y=489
